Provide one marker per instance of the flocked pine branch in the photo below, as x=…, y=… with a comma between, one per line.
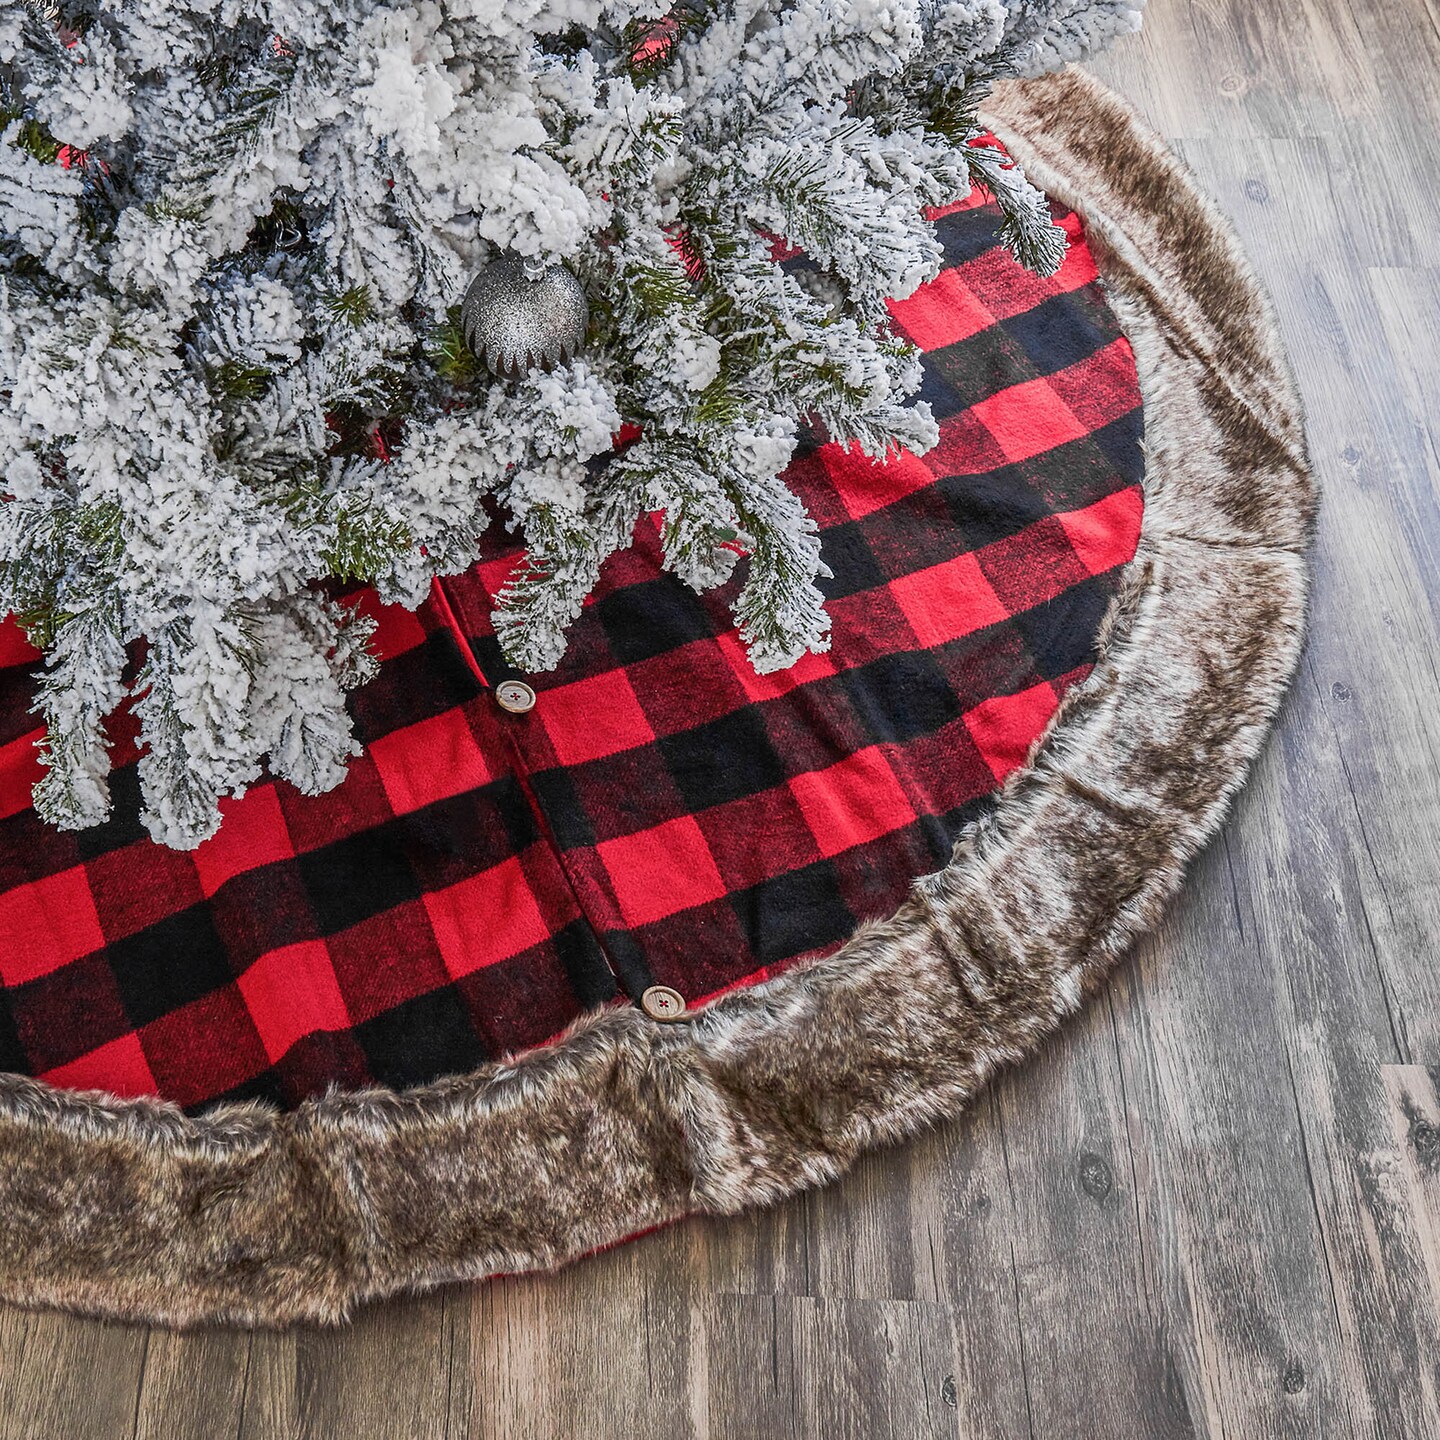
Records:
x=234, y=238
x=1027, y=230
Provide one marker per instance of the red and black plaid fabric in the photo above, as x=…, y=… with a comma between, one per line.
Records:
x=663, y=815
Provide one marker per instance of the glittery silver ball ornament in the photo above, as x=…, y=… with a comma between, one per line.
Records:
x=520, y=313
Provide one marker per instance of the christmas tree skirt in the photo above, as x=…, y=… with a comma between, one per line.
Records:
x=568, y=956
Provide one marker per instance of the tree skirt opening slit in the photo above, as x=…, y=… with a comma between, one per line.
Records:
x=396, y=1034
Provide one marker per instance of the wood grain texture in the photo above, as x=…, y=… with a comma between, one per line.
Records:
x=1212, y=1207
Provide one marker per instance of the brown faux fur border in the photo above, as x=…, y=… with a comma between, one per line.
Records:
x=244, y=1215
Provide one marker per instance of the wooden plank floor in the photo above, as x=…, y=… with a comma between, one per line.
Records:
x=1212, y=1208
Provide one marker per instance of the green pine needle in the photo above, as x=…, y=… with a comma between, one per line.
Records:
x=36, y=139
x=366, y=541
x=355, y=305
x=237, y=381
x=452, y=358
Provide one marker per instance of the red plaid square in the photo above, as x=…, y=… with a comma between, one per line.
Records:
x=692, y=685
x=809, y=668
x=865, y=485
x=382, y=962
x=397, y=629
x=119, y=1067
x=752, y=838
x=1025, y=421
x=945, y=311
x=315, y=821
x=863, y=626
x=253, y=833
x=486, y=919
x=46, y=924
x=967, y=447
x=856, y=800
x=590, y=719
x=1095, y=390
x=140, y=886
x=429, y=761
x=661, y=871
x=1032, y=567
x=20, y=769
x=1104, y=535
x=1005, y=728
x=291, y=993
x=948, y=601
x=945, y=773
x=991, y=277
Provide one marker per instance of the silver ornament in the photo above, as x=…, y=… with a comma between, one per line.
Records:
x=520, y=313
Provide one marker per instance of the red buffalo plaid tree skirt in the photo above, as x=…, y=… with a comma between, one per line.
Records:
x=664, y=815
x=485, y=880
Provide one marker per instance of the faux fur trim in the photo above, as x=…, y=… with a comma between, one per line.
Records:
x=250, y=1216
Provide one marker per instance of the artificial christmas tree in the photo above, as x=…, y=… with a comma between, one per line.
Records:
x=234, y=240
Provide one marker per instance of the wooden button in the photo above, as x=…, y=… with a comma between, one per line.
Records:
x=660, y=1002
x=515, y=696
